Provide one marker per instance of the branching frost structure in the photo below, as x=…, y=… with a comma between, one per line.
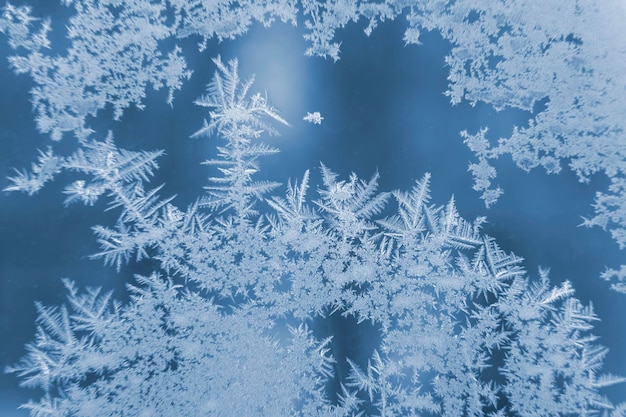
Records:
x=223, y=326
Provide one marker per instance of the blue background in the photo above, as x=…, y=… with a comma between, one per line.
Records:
x=384, y=109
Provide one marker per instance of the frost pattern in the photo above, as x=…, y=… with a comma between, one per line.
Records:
x=564, y=61
x=561, y=60
x=111, y=62
x=114, y=61
x=222, y=327
x=315, y=118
